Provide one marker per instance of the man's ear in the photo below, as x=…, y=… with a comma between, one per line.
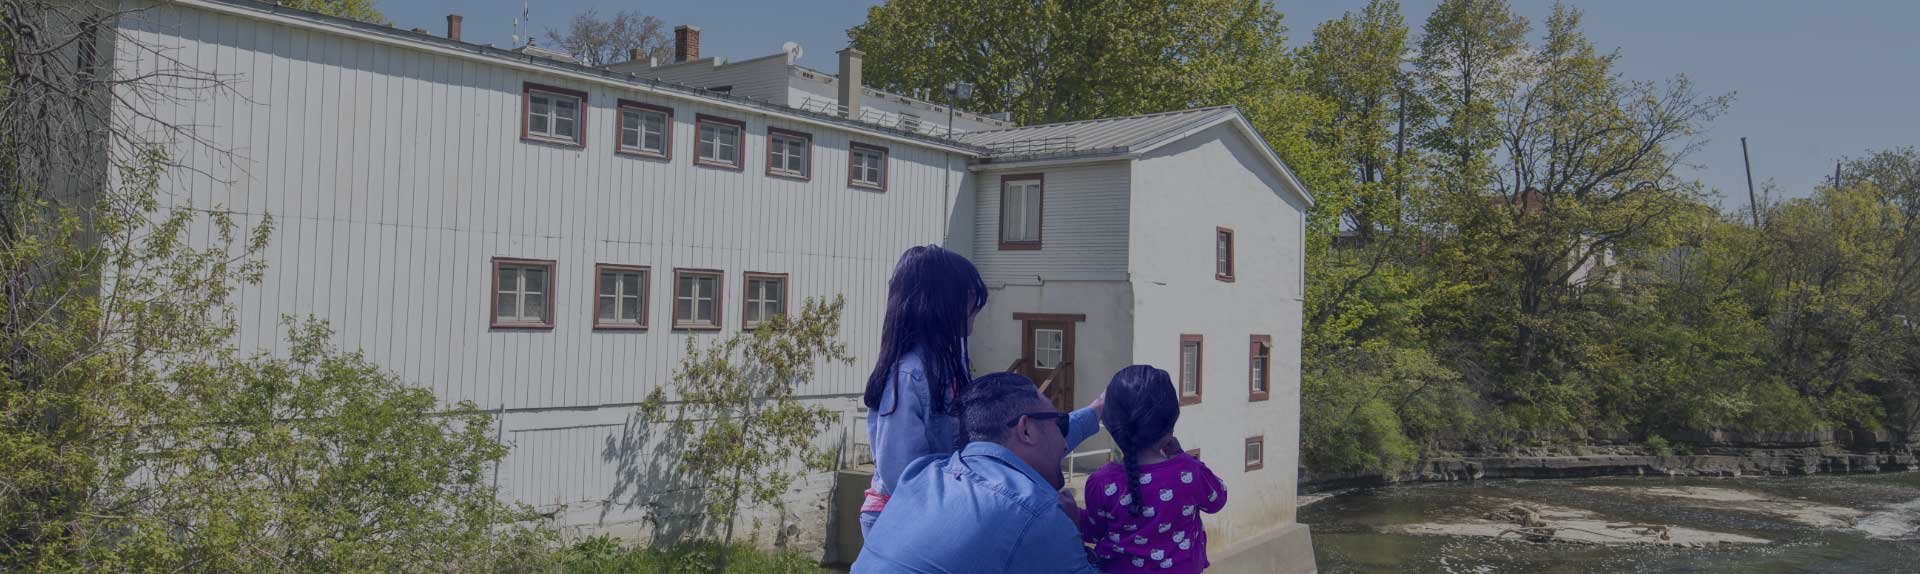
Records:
x=1024, y=432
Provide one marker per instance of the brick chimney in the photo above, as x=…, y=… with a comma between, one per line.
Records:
x=686, y=43
x=636, y=54
x=851, y=87
x=453, y=27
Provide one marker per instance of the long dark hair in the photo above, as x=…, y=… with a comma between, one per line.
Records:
x=1142, y=408
x=930, y=299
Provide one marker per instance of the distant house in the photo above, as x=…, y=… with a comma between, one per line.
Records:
x=540, y=237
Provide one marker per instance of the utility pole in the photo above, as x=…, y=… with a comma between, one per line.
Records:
x=1836, y=175
x=1752, y=203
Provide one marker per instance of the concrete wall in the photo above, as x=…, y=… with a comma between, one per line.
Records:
x=395, y=172
x=1182, y=192
x=1083, y=230
x=1103, y=343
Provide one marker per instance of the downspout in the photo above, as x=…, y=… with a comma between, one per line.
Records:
x=946, y=198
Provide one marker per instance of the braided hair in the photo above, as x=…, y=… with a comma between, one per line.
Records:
x=1142, y=408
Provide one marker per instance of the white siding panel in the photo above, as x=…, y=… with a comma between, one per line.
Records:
x=1083, y=228
x=394, y=176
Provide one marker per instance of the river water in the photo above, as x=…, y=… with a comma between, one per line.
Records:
x=1839, y=524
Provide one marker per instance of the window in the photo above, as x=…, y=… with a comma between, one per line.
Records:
x=645, y=130
x=522, y=293
x=1190, y=357
x=1049, y=346
x=719, y=141
x=789, y=153
x=696, y=299
x=766, y=297
x=1260, y=369
x=1256, y=453
x=621, y=297
x=867, y=166
x=553, y=115
x=1020, y=211
x=1223, y=254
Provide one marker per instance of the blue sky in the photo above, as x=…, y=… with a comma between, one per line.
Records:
x=1815, y=80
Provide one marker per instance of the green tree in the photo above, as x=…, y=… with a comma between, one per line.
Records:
x=362, y=10
x=746, y=433
x=1464, y=61
x=1058, y=60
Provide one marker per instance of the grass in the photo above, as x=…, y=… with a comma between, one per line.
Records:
x=603, y=555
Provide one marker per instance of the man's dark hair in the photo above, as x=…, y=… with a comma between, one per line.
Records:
x=991, y=401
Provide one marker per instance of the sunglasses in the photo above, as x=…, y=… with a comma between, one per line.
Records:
x=1059, y=419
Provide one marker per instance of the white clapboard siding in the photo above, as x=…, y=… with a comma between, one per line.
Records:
x=1083, y=228
x=395, y=175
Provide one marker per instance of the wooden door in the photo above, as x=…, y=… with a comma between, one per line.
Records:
x=1047, y=350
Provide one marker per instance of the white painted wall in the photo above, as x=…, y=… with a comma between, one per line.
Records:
x=1083, y=231
x=763, y=78
x=1182, y=192
x=395, y=174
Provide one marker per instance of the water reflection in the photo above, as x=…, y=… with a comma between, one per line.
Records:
x=1348, y=536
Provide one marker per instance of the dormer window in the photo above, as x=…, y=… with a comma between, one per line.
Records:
x=553, y=114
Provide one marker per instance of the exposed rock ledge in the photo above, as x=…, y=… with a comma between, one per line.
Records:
x=1709, y=454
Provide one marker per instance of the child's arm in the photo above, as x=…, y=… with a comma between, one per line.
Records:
x=1216, y=492
x=1092, y=525
x=900, y=436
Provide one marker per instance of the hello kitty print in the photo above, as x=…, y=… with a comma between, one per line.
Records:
x=1167, y=535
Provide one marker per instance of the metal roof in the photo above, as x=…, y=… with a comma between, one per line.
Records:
x=1091, y=137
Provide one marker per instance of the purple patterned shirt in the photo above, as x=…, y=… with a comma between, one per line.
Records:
x=1167, y=535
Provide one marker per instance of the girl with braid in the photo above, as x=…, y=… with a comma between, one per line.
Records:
x=1143, y=513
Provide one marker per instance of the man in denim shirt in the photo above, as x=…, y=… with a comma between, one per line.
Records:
x=992, y=507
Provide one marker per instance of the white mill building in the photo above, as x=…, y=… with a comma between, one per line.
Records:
x=540, y=237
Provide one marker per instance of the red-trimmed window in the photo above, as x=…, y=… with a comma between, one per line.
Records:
x=646, y=130
x=1256, y=453
x=1259, y=367
x=867, y=166
x=1192, y=352
x=766, y=296
x=553, y=115
x=789, y=153
x=696, y=299
x=1223, y=254
x=1022, y=207
x=522, y=293
x=721, y=142
x=620, y=300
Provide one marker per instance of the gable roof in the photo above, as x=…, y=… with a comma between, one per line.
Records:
x=1091, y=137
x=1127, y=137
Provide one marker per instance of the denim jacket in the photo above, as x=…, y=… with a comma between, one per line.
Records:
x=904, y=428
x=981, y=510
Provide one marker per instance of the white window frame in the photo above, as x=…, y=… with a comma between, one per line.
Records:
x=551, y=132
x=624, y=293
x=695, y=296
x=1040, y=350
x=638, y=127
x=778, y=140
x=1192, y=370
x=755, y=302
x=871, y=173
x=1022, y=211
x=518, y=293
x=718, y=126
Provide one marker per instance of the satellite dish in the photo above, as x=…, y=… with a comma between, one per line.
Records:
x=793, y=51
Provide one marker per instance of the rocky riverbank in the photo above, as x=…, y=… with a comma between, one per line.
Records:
x=1687, y=453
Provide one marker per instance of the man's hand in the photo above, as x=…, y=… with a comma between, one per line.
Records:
x=1068, y=505
x=1172, y=447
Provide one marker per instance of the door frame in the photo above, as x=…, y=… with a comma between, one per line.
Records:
x=1067, y=322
